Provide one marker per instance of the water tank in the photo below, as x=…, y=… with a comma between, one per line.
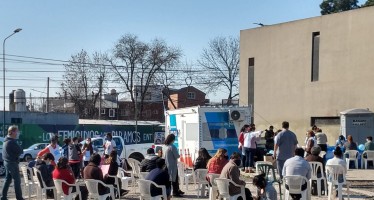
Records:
x=12, y=106
x=20, y=100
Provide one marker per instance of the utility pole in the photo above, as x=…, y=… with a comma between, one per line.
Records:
x=47, y=108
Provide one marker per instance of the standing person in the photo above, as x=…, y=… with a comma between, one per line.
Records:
x=269, y=137
x=202, y=160
x=311, y=142
x=171, y=155
x=250, y=146
x=87, y=151
x=52, y=148
x=284, y=147
x=65, y=148
x=321, y=140
x=243, y=130
x=74, y=160
x=11, y=153
x=231, y=171
x=109, y=145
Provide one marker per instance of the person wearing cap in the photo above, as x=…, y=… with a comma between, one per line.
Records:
x=314, y=157
x=149, y=162
x=52, y=148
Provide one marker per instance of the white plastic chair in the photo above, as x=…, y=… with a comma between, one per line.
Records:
x=322, y=154
x=314, y=176
x=93, y=189
x=116, y=183
x=71, y=195
x=135, y=167
x=333, y=172
x=183, y=176
x=352, y=156
x=369, y=157
x=145, y=190
x=223, y=189
x=294, y=184
x=142, y=175
x=125, y=179
x=262, y=162
x=42, y=188
x=213, y=190
x=29, y=184
x=199, y=177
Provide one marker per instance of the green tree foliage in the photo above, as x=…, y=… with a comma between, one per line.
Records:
x=368, y=3
x=335, y=6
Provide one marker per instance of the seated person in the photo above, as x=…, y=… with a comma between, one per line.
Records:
x=46, y=171
x=149, y=162
x=337, y=160
x=266, y=190
x=231, y=171
x=64, y=172
x=297, y=165
x=93, y=171
x=314, y=157
x=202, y=160
x=113, y=170
x=216, y=164
x=158, y=175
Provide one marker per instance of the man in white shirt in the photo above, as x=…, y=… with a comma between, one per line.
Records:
x=109, y=145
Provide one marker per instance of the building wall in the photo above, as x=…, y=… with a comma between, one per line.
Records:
x=282, y=86
x=181, y=100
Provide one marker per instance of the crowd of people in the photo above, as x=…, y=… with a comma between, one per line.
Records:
x=76, y=161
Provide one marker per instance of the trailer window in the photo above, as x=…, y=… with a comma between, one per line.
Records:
x=217, y=131
x=97, y=143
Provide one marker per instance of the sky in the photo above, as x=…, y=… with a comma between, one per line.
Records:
x=58, y=29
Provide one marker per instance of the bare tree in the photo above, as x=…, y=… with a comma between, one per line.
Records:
x=84, y=81
x=221, y=62
x=139, y=62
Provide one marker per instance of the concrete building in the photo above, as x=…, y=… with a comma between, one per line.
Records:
x=308, y=71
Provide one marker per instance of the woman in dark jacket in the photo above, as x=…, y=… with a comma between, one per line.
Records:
x=202, y=160
x=113, y=170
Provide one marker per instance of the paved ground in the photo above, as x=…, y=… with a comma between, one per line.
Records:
x=362, y=187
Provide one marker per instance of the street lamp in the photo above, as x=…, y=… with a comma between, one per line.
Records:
x=14, y=32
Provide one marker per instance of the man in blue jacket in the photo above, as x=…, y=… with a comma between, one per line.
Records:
x=11, y=153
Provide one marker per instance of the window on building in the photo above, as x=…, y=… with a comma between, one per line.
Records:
x=102, y=111
x=155, y=112
x=191, y=95
x=324, y=121
x=315, y=56
x=16, y=120
x=112, y=113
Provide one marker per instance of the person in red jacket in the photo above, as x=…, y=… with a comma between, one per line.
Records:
x=216, y=164
x=243, y=130
x=64, y=172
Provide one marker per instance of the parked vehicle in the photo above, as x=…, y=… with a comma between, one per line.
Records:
x=136, y=151
x=2, y=168
x=32, y=151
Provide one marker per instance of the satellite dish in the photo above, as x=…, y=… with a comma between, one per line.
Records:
x=235, y=115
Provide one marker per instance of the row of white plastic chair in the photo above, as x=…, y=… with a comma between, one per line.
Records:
x=32, y=181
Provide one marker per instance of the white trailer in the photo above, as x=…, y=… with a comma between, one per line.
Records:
x=208, y=127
